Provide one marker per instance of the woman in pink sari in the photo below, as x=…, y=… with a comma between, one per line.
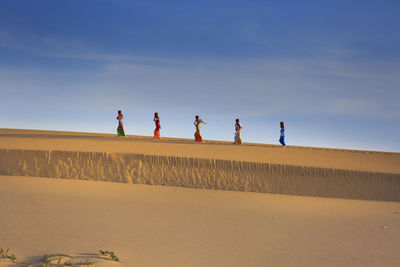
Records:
x=158, y=126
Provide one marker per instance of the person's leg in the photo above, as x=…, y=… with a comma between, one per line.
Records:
x=239, y=137
x=120, y=131
x=197, y=136
x=157, y=134
x=200, y=139
x=282, y=140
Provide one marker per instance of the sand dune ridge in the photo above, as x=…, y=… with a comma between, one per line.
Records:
x=201, y=173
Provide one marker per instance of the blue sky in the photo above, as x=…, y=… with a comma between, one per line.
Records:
x=329, y=69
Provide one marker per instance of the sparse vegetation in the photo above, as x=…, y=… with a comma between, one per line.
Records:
x=48, y=258
x=60, y=259
x=110, y=254
x=87, y=263
x=4, y=254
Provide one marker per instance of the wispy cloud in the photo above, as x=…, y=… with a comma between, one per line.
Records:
x=329, y=84
x=249, y=65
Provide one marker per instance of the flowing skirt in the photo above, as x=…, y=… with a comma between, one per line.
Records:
x=157, y=133
x=282, y=140
x=197, y=136
x=120, y=130
x=238, y=138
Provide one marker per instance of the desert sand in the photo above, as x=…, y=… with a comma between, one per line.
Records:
x=337, y=222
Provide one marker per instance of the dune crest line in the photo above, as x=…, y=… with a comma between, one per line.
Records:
x=201, y=173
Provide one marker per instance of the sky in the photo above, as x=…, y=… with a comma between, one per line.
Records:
x=329, y=69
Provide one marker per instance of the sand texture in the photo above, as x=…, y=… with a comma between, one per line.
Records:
x=174, y=226
x=213, y=165
x=170, y=225
x=202, y=173
x=290, y=155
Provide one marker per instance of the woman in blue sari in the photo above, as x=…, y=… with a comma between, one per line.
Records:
x=282, y=137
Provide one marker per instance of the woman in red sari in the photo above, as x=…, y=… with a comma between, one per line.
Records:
x=158, y=126
x=197, y=135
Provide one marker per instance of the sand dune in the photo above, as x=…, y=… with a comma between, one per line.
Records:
x=201, y=173
x=213, y=165
x=291, y=155
x=175, y=226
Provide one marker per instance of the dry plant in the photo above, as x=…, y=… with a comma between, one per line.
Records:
x=110, y=254
x=4, y=254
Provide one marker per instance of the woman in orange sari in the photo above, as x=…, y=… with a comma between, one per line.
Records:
x=197, y=135
x=158, y=126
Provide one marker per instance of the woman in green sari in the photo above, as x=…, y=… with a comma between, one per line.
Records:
x=120, y=129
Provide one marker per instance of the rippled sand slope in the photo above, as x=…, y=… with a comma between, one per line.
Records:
x=213, y=165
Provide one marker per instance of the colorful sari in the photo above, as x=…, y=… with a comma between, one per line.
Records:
x=157, y=131
x=120, y=129
x=282, y=137
x=238, y=138
x=197, y=135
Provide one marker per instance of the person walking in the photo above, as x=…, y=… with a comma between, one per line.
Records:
x=197, y=134
x=158, y=126
x=282, y=137
x=238, y=133
x=120, y=129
